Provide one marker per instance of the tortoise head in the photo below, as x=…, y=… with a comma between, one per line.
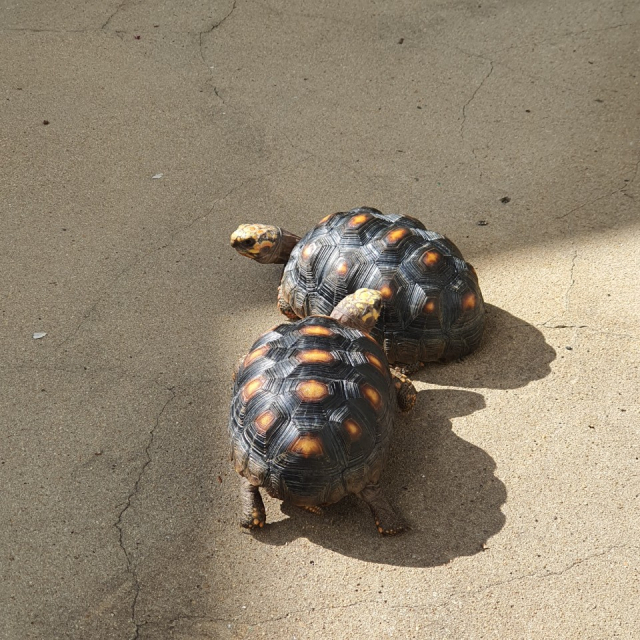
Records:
x=360, y=309
x=263, y=243
x=256, y=241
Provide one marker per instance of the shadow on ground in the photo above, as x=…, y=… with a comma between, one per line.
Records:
x=512, y=354
x=445, y=486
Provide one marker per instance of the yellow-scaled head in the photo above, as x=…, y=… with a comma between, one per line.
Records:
x=257, y=241
x=361, y=309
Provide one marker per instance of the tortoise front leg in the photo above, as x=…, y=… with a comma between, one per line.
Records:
x=405, y=391
x=285, y=307
x=388, y=522
x=253, y=512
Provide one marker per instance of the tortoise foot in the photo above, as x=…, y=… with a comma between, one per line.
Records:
x=255, y=521
x=386, y=529
x=388, y=522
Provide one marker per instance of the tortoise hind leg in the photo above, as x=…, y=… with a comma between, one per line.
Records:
x=405, y=391
x=388, y=522
x=285, y=307
x=253, y=512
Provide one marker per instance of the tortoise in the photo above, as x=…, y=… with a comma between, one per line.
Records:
x=312, y=413
x=432, y=304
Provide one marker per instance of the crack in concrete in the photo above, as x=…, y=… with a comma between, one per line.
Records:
x=586, y=204
x=113, y=15
x=539, y=576
x=78, y=370
x=215, y=90
x=535, y=575
x=632, y=179
x=569, y=221
x=602, y=332
x=263, y=621
x=131, y=568
x=470, y=100
x=34, y=30
x=561, y=36
x=201, y=35
x=546, y=574
x=629, y=181
x=572, y=280
x=215, y=25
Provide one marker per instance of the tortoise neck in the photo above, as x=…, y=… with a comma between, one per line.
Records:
x=285, y=246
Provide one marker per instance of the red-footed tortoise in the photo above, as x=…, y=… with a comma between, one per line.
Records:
x=312, y=413
x=432, y=304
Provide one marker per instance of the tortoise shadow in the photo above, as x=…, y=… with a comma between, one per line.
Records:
x=512, y=354
x=444, y=486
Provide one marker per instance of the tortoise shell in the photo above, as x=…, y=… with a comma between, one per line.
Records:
x=433, y=308
x=312, y=412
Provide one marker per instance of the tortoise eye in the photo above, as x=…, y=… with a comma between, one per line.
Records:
x=249, y=242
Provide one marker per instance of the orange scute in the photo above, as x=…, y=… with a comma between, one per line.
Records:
x=307, y=446
x=342, y=268
x=353, y=429
x=308, y=251
x=312, y=391
x=265, y=421
x=429, y=307
x=397, y=234
x=386, y=292
x=469, y=301
x=358, y=220
x=375, y=361
x=315, y=330
x=255, y=354
x=251, y=388
x=431, y=258
x=326, y=218
x=315, y=356
x=372, y=395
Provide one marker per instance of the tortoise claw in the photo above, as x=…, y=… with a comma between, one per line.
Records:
x=390, y=531
x=313, y=509
x=256, y=521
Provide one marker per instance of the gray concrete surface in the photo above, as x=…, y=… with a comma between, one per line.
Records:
x=519, y=470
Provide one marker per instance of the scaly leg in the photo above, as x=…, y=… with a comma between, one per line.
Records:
x=253, y=513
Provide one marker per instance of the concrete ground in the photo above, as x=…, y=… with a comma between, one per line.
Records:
x=136, y=135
